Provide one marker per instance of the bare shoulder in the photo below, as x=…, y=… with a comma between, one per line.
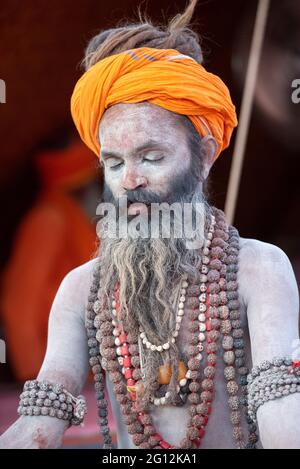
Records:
x=81, y=276
x=255, y=254
x=74, y=288
x=264, y=266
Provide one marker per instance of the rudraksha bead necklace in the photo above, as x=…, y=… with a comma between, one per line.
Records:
x=218, y=304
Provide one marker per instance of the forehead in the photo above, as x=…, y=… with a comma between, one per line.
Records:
x=127, y=125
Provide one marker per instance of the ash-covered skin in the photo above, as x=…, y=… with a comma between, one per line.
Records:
x=267, y=287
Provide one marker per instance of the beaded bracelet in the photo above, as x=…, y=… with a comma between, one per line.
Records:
x=271, y=380
x=45, y=398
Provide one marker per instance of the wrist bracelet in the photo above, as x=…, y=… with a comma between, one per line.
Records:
x=45, y=398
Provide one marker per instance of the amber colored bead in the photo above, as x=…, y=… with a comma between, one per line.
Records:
x=182, y=369
x=165, y=373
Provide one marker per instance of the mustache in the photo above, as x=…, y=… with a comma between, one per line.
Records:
x=144, y=196
x=181, y=188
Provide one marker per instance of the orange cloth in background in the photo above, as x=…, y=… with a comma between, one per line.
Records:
x=66, y=168
x=54, y=237
x=163, y=77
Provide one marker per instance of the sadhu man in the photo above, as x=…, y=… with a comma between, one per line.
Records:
x=193, y=342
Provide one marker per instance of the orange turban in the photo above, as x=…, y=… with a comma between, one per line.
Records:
x=163, y=77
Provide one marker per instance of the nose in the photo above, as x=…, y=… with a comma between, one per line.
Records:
x=132, y=180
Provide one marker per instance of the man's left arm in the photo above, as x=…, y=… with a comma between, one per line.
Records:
x=269, y=290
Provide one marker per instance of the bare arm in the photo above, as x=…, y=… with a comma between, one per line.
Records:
x=66, y=361
x=270, y=292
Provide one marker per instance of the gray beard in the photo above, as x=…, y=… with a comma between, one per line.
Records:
x=150, y=272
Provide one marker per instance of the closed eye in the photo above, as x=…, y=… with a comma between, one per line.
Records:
x=116, y=166
x=152, y=160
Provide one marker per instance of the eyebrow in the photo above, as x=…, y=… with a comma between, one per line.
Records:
x=145, y=146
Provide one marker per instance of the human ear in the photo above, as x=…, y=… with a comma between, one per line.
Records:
x=207, y=152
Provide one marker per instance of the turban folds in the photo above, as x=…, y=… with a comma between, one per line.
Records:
x=163, y=77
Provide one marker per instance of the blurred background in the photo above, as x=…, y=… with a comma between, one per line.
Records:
x=50, y=181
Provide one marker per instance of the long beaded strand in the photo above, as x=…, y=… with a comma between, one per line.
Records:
x=237, y=335
x=92, y=324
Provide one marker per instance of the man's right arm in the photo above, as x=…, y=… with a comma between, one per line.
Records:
x=66, y=361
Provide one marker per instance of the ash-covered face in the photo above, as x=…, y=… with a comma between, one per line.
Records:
x=145, y=154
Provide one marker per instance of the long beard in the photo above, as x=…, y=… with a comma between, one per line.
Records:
x=150, y=272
